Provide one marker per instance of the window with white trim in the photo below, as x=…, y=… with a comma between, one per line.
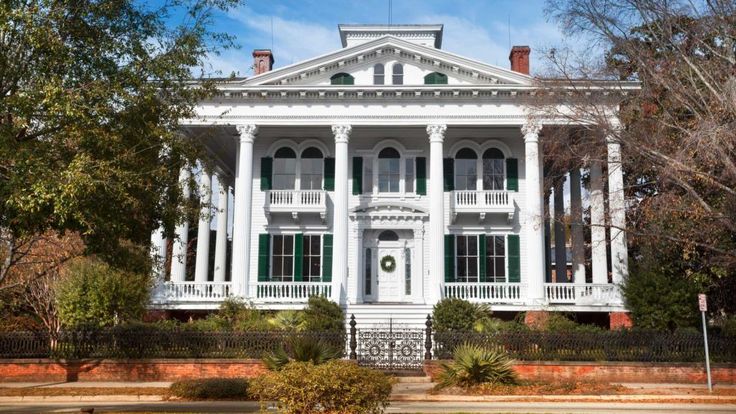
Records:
x=466, y=254
x=494, y=165
x=282, y=258
x=495, y=259
x=398, y=74
x=466, y=170
x=378, y=74
x=312, y=259
x=284, y=169
x=311, y=171
x=389, y=170
x=409, y=176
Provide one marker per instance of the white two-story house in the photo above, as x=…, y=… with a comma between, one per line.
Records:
x=387, y=175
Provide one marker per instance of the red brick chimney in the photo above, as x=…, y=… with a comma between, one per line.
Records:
x=262, y=61
x=519, y=58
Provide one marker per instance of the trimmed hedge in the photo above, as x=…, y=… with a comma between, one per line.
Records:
x=211, y=389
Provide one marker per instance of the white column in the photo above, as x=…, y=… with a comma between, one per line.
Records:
x=578, y=240
x=436, y=213
x=533, y=219
x=340, y=215
x=597, y=225
x=202, y=265
x=181, y=234
x=560, y=237
x=221, y=235
x=617, y=211
x=242, y=209
x=158, y=255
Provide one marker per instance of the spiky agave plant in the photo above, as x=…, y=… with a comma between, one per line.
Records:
x=301, y=349
x=474, y=364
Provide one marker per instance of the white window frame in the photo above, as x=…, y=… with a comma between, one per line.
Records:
x=479, y=166
x=271, y=256
x=505, y=256
x=370, y=160
x=321, y=259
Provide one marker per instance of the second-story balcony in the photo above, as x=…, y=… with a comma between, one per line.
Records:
x=482, y=203
x=296, y=202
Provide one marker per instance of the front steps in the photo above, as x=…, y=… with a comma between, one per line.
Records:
x=385, y=316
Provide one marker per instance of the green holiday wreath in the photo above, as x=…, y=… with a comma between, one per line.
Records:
x=388, y=263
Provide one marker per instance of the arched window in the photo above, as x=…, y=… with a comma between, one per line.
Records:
x=466, y=169
x=342, y=79
x=284, y=169
x=388, y=235
x=398, y=74
x=389, y=170
x=493, y=169
x=435, y=78
x=311, y=164
x=378, y=74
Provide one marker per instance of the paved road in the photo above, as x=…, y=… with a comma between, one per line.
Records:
x=399, y=407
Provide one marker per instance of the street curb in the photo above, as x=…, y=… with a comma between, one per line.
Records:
x=81, y=398
x=561, y=398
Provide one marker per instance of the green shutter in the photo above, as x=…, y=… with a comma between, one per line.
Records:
x=357, y=175
x=421, y=169
x=512, y=174
x=266, y=171
x=449, y=258
x=449, y=172
x=298, y=256
x=329, y=184
x=514, y=251
x=327, y=257
x=263, y=257
x=482, y=272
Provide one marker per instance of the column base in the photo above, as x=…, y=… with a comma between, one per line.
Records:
x=536, y=319
x=620, y=320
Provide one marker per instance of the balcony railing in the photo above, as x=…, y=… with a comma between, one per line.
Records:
x=486, y=292
x=195, y=291
x=291, y=292
x=296, y=202
x=482, y=202
x=582, y=293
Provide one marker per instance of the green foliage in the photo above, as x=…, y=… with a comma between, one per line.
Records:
x=452, y=314
x=560, y=322
x=334, y=387
x=94, y=294
x=660, y=300
x=321, y=314
x=301, y=349
x=474, y=365
x=488, y=325
x=288, y=320
x=728, y=326
x=210, y=389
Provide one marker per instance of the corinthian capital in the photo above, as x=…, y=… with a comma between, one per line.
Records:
x=531, y=127
x=436, y=132
x=247, y=132
x=342, y=132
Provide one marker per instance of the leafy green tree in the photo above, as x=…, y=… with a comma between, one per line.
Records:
x=452, y=314
x=321, y=314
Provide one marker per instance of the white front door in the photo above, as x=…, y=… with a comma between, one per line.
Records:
x=389, y=278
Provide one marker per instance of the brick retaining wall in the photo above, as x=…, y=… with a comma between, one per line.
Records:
x=645, y=372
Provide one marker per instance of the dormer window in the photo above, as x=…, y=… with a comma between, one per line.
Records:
x=435, y=78
x=342, y=79
x=378, y=74
x=398, y=74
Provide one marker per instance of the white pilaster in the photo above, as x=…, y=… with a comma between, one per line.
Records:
x=436, y=134
x=242, y=208
x=221, y=235
x=340, y=215
x=355, y=291
x=181, y=234
x=617, y=211
x=597, y=225
x=534, y=215
x=202, y=265
x=560, y=237
x=417, y=277
x=578, y=240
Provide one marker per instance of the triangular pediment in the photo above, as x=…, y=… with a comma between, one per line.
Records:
x=418, y=60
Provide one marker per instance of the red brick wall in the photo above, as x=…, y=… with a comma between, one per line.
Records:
x=20, y=370
x=614, y=372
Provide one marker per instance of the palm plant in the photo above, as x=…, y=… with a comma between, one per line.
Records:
x=474, y=364
x=288, y=320
x=301, y=349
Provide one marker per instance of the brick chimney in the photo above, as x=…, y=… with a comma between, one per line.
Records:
x=262, y=61
x=519, y=58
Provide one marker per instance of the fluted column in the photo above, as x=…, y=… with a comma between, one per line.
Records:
x=202, y=265
x=181, y=233
x=597, y=225
x=560, y=237
x=221, y=235
x=576, y=231
x=533, y=219
x=617, y=211
x=340, y=215
x=436, y=134
x=242, y=208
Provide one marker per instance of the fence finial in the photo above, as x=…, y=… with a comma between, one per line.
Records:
x=353, y=339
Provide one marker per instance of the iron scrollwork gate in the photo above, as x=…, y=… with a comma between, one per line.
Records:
x=390, y=348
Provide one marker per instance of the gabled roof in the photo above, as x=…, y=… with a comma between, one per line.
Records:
x=444, y=61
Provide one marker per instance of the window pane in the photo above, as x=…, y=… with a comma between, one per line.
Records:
x=315, y=243
x=472, y=245
x=461, y=269
x=409, y=180
x=289, y=245
x=288, y=266
x=277, y=266
x=500, y=248
x=500, y=270
x=367, y=175
x=368, y=270
x=407, y=272
x=461, y=248
x=473, y=267
x=278, y=245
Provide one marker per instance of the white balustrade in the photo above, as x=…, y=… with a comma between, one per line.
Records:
x=296, y=201
x=291, y=292
x=196, y=291
x=482, y=202
x=486, y=292
x=582, y=293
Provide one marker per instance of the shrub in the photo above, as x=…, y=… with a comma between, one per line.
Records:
x=301, y=349
x=288, y=320
x=210, y=389
x=474, y=365
x=322, y=314
x=93, y=294
x=728, y=326
x=452, y=314
x=334, y=387
x=488, y=325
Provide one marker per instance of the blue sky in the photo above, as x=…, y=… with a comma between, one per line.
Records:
x=302, y=29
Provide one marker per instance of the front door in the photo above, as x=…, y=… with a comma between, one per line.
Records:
x=390, y=274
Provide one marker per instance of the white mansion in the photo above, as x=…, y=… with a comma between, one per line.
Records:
x=388, y=175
